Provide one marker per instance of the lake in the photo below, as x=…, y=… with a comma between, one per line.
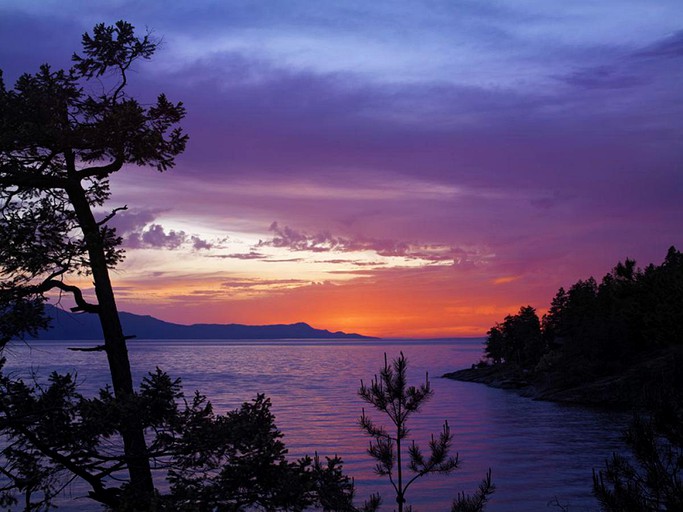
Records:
x=538, y=451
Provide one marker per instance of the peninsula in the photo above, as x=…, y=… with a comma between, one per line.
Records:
x=617, y=342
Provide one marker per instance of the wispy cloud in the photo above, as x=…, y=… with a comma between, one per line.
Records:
x=300, y=241
x=252, y=255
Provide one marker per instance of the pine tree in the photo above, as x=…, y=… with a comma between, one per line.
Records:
x=390, y=394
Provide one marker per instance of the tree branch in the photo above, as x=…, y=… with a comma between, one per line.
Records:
x=99, y=490
x=112, y=214
x=101, y=171
x=31, y=180
x=82, y=305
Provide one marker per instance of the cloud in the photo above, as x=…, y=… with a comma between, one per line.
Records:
x=297, y=241
x=603, y=77
x=505, y=279
x=250, y=287
x=630, y=69
x=139, y=231
x=253, y=283
x=323, y=241
x=252, y=255
x=131, y=221
x=155, y=236
x=199, y=244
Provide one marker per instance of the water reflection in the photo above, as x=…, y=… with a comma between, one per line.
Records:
x=537, y=450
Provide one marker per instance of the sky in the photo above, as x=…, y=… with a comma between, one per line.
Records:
x=393, y=168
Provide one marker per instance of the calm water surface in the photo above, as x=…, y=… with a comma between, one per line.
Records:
x=537, y=451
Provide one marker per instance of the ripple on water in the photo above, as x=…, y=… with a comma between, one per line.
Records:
x=537, y=450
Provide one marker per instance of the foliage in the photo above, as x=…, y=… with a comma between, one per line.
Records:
x=63, y=133
x=478, y=500
x=592, y=328
x=651, y=482
x=235, y=461
x=390, y=394
x=518, y=339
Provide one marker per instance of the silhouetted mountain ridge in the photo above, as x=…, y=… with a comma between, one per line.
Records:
x=70, y=326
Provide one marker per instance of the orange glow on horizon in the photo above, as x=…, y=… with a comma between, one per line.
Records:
x=385, y=308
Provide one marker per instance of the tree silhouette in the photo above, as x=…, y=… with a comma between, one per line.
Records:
x=233, y=461
x=651, y=482
x=517, y=340
x=390, y=394
x=62, y=135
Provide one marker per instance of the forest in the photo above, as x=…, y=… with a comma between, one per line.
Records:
x=593, y=330
x=618, y=343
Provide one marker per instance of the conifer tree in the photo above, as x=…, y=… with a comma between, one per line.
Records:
x=390, y=394
x=650, y=481
x=63, y=134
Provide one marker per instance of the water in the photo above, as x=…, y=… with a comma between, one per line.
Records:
x=538, y=451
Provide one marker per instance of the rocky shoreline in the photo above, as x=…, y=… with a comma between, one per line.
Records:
x=630, y=388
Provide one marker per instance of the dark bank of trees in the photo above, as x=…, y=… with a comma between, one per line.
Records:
x=594, y=329
x=628, y=327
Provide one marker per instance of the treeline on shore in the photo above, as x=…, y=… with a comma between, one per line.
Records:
x=629, y=324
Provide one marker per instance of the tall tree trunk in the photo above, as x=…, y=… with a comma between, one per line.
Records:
x=135, y=447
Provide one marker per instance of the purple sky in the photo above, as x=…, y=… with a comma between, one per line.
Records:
x=394, y=168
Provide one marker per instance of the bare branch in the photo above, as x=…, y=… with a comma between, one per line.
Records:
x=75, y=291
x=112, y=214
x=98, y=348
x=31, y=180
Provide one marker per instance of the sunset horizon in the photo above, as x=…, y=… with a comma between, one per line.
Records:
x=394, y=170
x=301, y=255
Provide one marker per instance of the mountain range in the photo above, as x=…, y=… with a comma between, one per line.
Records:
x=85, y=326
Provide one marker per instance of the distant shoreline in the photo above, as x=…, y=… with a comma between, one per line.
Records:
x=69, y=326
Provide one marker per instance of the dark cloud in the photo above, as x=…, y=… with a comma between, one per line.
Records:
x=132, y=221
x=297, y=241
x=138, y=230
x=198, y=244
x=156, y=237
